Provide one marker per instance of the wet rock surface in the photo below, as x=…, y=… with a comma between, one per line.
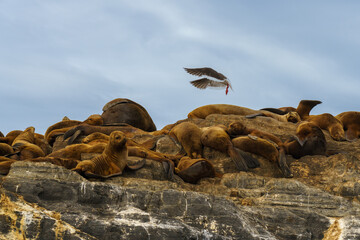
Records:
x=45, y=201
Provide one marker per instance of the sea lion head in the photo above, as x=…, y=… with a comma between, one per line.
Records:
x=117, y=139
x=94, y=119
x=337, y=132
x=304, y=130
x=236, y=128
x=293, y=117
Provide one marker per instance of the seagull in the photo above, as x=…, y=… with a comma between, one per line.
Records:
x=203, y=83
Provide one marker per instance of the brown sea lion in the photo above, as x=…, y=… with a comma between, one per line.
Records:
x=60, y=128
x=225, y=109
x=112, y=161
x=122, y=110
x=217, y=138
x=309, y=140
x=192, y=170
x=85, y=129
x=25, y=147
x=328, y=122
x=1, y=134
x=5, y=149
x=351, y=124
x=74, y=151
x=286, y=117
x=9, y=138
x=188, y=134
x=237, y=129
x=303, y=109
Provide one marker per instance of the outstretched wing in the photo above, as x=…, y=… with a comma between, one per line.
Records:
x=205, y=82
x=205, y=71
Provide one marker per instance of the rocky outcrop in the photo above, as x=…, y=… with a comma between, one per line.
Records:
x=45, y=201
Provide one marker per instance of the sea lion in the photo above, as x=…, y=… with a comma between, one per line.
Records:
x=112, y=161
x=303, y=109
x=5, y=149
x=237, y=129
x=351, y=124
x=188, y=134
x=217, y=138
x=328, y=122
x=74, y=151
x=225, y=109
x=280, y=116
x=192, y=170
x=309, y=140
x=1, y=134
x=24, y=145
x=9, y=138
x=84, y=129
x=122, y=110
x=60, y=128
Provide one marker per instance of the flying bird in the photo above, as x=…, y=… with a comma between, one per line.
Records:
x=205, y=82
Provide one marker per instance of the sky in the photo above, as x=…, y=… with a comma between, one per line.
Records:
x=69, y=58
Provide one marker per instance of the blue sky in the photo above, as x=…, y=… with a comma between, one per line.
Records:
x=69, y=58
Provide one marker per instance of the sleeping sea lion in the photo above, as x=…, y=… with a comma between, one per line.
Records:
x=5, y=149
x=309, y=140
x=328, y=122
x=225, y=109
x=74, y=151
x=84, y=129
x=237, y=129
x=351, y=124
x=24, y=145
x=60, y=128
x=122, y=110
x=192, y=170
x=217, y=138
x=188, y=134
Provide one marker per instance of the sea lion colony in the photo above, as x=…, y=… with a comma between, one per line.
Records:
x=113, y=138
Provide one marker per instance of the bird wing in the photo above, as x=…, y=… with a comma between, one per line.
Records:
x=205, y=71
x=203, y=83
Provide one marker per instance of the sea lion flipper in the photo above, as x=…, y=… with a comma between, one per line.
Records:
x=136, y=165
x=238, y=159
x=250, y=161
x=274, y=110
x=73, y=137
x=254, y=115
x=283, y=165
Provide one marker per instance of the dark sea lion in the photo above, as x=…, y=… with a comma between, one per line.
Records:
x=24, y=145
x=188, y=134
x=1, y=134
x=351, y=124
x=112, y=161
x=60, y=128
x=192, y=170
x=237, y=129
x=217, y=138
x=122, y=110
x=309, y=140
x=225, y=109
x=328, y=122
